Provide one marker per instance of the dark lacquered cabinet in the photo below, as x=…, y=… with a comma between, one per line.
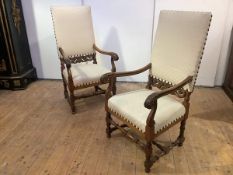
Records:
x=228, y=83
x=16, y=69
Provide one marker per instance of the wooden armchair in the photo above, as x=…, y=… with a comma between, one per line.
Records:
x=179, y=44
x=76, y=45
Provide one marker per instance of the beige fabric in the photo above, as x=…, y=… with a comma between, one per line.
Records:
x=85, y=74
x=179, y=44
x=131, y=107
x=73, y=29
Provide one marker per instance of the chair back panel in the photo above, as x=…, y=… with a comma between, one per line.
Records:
x=73, y=29
x=179, y=44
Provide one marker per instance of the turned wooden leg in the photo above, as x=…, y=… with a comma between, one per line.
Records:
x=108, y=124
x=72, y=103
x=65, y=90
x=148, y=162
x=181, y=138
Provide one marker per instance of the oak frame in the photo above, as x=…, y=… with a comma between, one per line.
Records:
x=69, y=86
x=150, y=103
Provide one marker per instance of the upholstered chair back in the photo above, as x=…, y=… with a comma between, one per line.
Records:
x=178, y=46
x=73, y=29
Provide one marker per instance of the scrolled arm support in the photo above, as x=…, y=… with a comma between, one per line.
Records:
x=151, y=100
x=114, y=56
x=108, y=76
x=151, y=103
x=150, y=123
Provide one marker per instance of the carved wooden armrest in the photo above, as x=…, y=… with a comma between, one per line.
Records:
x=108, y=76
x=151, y=100
x=111, y=77
x=113, y=55
x=151, y=103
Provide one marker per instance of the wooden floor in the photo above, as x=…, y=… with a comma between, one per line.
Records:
x=40, y=136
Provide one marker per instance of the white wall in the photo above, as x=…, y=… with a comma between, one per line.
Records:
x=226, y=46
x=126, y=28
x=41, y=36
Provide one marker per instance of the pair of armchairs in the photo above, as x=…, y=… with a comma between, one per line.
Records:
x=179, y=44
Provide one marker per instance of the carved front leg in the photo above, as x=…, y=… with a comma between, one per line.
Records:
x=148, y=162
x=108, y=124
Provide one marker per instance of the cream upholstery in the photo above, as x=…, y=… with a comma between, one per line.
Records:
x=73, y=29
x=179, y=44
x=130, y=106
x=85, y=74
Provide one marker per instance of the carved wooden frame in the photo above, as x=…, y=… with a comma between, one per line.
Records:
x=147, y=139
x=69, y=86
x=149, y=135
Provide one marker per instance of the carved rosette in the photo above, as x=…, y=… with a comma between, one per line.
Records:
x=82, y=58
x=161, y=84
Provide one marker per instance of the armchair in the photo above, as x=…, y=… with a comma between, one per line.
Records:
x=179, y=44
x=76, y=45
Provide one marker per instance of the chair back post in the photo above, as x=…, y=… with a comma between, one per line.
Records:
x=61, y=58
x=70, y=80
x=68, y=66
x=94, y=58
x=149, y=83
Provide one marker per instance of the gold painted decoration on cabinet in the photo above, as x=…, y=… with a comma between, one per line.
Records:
x=5, y=83
x=16, y=15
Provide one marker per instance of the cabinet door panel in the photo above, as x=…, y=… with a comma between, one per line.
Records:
x=16, y=69
x=4, y=61
x=18, y=34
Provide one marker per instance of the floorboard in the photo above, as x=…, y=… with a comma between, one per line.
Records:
x=40, y=136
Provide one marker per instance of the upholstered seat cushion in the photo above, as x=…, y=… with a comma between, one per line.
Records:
x=130, y=106
x=85, y=74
